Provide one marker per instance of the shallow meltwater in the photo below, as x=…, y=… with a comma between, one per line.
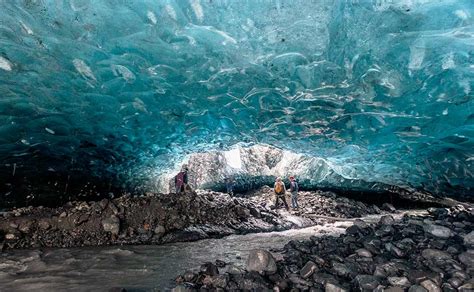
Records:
x=141, y=268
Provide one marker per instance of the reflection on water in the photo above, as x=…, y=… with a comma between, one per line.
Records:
x=136, y=268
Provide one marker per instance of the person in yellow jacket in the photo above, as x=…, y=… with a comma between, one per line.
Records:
x=280, y=191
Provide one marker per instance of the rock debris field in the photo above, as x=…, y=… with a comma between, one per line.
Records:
x=164, y=218
x=417, y=254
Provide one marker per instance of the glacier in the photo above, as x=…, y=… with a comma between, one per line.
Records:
x=111, y=94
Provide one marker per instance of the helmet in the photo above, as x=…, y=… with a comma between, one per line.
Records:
x=292, y=177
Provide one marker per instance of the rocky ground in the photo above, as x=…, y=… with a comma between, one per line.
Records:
x=416, y=254
x=163, y=218
x=320, y=203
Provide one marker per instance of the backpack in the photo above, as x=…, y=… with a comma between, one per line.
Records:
x=279, y=188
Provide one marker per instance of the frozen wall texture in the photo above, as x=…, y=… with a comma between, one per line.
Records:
x=113, y=92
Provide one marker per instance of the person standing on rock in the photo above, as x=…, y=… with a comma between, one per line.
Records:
x=280, y=191
x=181, y=180
x=229, y=184
x=294, y=192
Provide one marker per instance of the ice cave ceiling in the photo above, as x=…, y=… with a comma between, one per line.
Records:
x=120, y=90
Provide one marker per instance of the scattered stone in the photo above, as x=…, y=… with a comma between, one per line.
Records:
x=388, y=207
x=392, y=289
x=189, y=276
x=112, y=225
x=366, y=282
x=469, y=239
x=387, y=220
x=159, y=230
x=467, y=258
x=435, y=254
x=11, y=236
x=308, y=269
x=44, y=225
x=234, y=270
x=362, y=252
x=417, y=288
x=361, y=224
x=430, y=286
x=209, y=269
x=261, y=261
x=333, y=287
x=220, y=264
x=468, y=287
x=438, y=231
x=399, y=281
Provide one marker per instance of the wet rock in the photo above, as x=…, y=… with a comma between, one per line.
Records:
x=362, y=252
x=189, y=276
x=372, y=245
x=334, y=287
x=417, y=288
x=468, y=287
x=455, y=282
x=417, y=276
x=12, y=236
x=366, y=282
x=469, y=239
x=393, y=289
x=353, y=229
x=112, y=225
x=388, y=269
x=394, y=250
x=399, y=281
x=438, y=231
x=323, y=278
x=467, y=258
x=235, y=270
x=159, y=230
x=446, y=287
x=387, y=220
x=298, y=281
x=435, y=254
x=361, y=224
x=261, y=261
x=209, y=269
x=308, y=269
x=217, y=281
x=388, y=207
x=384, y=230
x=220, y=264
x=249, y=281
x=341, y=269
x=430, y=286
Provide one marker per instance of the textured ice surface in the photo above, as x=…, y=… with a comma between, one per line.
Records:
x=115, y=90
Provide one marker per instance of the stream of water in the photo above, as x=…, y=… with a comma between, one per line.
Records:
x=139, y=268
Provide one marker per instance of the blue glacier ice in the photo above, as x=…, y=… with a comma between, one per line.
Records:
x=113, y=91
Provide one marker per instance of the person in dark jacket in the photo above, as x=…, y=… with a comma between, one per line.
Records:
x=294, y=192
x=229, y=184
x=181, y=180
